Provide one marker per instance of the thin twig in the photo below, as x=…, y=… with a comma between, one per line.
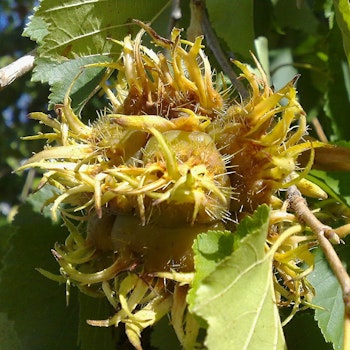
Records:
x=200, y=23
x=325, y=236
x=305, y=215
x=16, y=69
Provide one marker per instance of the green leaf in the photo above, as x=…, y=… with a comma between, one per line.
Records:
x=232, y=21
x=342, y=15
x=6, y=232
x=61, y=75
x=209, y=249
x=335, y=183
x=71, y=34
x=238, y=295
x=8, y=336
x=90, y=336
x=38, y=200
x=303, y=333
x=74, y=28
x=163, y=336
x=329, y=297
x=35, y=304
x=337, y=96
x=288, y=14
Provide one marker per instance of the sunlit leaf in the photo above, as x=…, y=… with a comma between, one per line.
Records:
x=237, y=298
x=72, y=33
x=60, y=77
x=72, y=28
x=209, y=249
x=38, y=200
x=329, y=298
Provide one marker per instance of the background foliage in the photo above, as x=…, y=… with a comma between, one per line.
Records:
x=290, y=37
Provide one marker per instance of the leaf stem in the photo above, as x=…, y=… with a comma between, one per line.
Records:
x=16, y=69
x=325, y=236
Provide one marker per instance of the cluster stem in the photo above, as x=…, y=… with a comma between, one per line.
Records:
x=325, y=236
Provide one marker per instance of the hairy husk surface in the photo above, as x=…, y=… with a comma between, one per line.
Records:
x=174, y=154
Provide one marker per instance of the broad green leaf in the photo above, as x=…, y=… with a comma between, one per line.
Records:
x=237, y=298
x=342, y=15
x=8, y=336
x=326, y=6
x=6, y=232
x=89, y=336
x=71, y=34
x=335, y=183
x=35, y=304
x=233, y=23
x=163, y=336
x=61, y=75
x=38, y=201
x=303, y=333
x=37, y=29
x=74, y=28
x=209, y=249
x=289, y=15
x=329, y=297
x=337, y=96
